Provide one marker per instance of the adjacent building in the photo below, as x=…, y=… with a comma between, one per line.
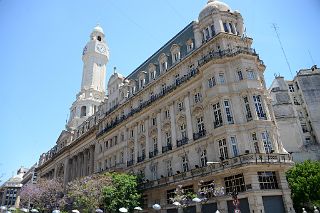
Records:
x=10, y=189
x=200, y=98
x=297, y=112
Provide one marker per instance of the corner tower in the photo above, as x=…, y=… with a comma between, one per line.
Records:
x=95, y=56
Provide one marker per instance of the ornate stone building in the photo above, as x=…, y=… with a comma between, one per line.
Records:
x=200, y=98
x=296, y=107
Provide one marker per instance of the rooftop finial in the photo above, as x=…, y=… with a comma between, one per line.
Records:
x=114, y=70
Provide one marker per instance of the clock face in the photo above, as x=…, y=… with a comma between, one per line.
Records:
x=101, y=48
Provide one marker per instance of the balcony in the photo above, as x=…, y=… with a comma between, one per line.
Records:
x=141, y=158
x=153, y=153
x=182, y=142
x=262, y=116
x=166, y=148
x=130, y=163
x=199, y=134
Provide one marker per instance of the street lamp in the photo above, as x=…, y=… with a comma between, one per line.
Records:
x=99, y=211
x=156, y=207
x=123, y=209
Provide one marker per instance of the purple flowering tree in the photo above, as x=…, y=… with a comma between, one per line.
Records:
x=86, y=193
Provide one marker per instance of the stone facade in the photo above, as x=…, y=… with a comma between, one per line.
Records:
x=296, y=107
x=200, y=98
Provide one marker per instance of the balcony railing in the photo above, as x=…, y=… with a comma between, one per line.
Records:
x=242, y=160
x=199, y=134
x=262, y=116
x=153, y=153
x=130, y=162
x=141, y=158
x=166, y=148
x=182, y=142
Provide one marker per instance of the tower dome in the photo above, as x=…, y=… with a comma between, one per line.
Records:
x=213, y=6
x=98, y=29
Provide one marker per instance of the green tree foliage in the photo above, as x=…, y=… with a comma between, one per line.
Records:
x=123, y=192
x=304, y=181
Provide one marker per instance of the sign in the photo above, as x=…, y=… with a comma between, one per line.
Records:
x=236, y=202
x=237, y=211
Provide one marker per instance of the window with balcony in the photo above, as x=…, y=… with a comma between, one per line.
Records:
x=200, y=124
x=258, y=106
x=211, y=82
x=185, y=164
x=266, y=142
x=228, y=111
x=234, y=146
x=203, y=158
x=217, y=115
x=183, y=131
x=268, y=180
x=223, y=149
x=235, y=183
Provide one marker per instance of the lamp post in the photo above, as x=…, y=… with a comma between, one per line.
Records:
x=156, y=207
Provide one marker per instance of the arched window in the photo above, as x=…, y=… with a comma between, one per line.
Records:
x=99, y=38
x=83, y=111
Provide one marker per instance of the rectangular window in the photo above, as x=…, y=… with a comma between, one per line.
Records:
x=247, y=108
x=132, y=133
x=152, y=75
x=183, y=131
x=167, y=114
x=168, y=138
x=121, y=157
x=213, y=31
x=203, y=158
x=180, y=106
x=225, y=27
x=251, y=75
x=211, y=82
x=268, y=180
x=221, y=78
x=233, y=141
x=169, y=168
x=154, y=121
x=291, y=88
x=240, y=76
x=154, y=171
x=235, y=183
x=200, y=124
x=228, y=111
x=185, y=165
x=266, y=142
x=217, y=115
x=255, y=142
x=207, y=34
x=197, y=97
x=258, y=105
x=155, y=144
x=232, y=29
x=170, y=195
x=223, y=148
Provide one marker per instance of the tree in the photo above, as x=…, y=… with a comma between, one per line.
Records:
x=123, y=192
x=304, y=181
x=86, y=193
x=45, y=194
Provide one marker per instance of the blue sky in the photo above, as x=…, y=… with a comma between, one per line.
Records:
x=41, y=44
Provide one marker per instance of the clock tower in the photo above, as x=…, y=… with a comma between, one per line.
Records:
x=95, y=56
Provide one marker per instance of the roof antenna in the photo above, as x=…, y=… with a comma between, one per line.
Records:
x=284, y=53
x=311, y=58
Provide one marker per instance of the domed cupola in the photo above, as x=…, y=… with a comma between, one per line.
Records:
x=212, y=7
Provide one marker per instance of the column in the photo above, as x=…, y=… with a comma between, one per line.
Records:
x=66, y=172
x=159, y=132
x=125, y=151
x=173, y=126
x=91, y=160
x=197, y=37
x=188, y=115
x=146, y=124
x=235, y=29
x=135, y=143
x=85, y=163
x=55, y=171
x=286, y=196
